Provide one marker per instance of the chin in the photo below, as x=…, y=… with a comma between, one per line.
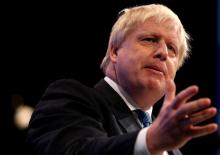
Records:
x=154, y=84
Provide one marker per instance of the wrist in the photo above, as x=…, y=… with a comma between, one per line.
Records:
x=152, y=143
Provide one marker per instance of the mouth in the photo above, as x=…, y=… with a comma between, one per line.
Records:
x=156, y=69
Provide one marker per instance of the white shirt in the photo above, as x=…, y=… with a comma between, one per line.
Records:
x=140, y=147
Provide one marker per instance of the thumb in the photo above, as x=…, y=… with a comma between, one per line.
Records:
x=170, y=92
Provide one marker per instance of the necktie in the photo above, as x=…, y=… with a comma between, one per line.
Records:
x=143, y=117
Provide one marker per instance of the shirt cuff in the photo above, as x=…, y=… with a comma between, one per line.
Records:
x=140, y=147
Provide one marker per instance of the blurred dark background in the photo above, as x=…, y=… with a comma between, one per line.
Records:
x=46, y=41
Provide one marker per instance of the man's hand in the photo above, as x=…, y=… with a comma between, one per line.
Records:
x=177, y=122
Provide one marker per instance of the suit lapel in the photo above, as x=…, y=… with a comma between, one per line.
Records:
x=122, y=113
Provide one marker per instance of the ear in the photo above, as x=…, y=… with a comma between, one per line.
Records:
x=113, y=54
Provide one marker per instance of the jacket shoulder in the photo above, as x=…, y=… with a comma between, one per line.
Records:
x=67, y=86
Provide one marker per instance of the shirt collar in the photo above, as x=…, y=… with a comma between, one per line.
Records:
x=127, y=99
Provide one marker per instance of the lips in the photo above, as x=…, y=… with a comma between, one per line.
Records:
x=156, y=68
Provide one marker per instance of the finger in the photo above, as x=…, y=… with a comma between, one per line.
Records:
x=198, y=117
x=170, y=92
x=202, y=115
x=193, y=106
x=198, y=131
x=184, y=95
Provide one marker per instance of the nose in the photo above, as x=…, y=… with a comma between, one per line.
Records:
x=161, y=51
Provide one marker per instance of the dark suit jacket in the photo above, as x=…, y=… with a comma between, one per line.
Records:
x=74, y=119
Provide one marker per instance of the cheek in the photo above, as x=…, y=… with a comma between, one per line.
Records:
x=121, y=65
x=172, y=68
x=127, y=68
x=128, y=60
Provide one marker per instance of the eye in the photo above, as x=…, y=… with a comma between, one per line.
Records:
x=150, y=39
x=172, y=49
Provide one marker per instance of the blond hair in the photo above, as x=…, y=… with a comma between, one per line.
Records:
x=130, y=17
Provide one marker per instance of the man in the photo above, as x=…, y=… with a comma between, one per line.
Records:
x=147, y=45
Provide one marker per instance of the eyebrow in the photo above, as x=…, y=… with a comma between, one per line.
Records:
x=155, y=34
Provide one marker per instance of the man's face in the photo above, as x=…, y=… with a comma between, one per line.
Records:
x=147, y=59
